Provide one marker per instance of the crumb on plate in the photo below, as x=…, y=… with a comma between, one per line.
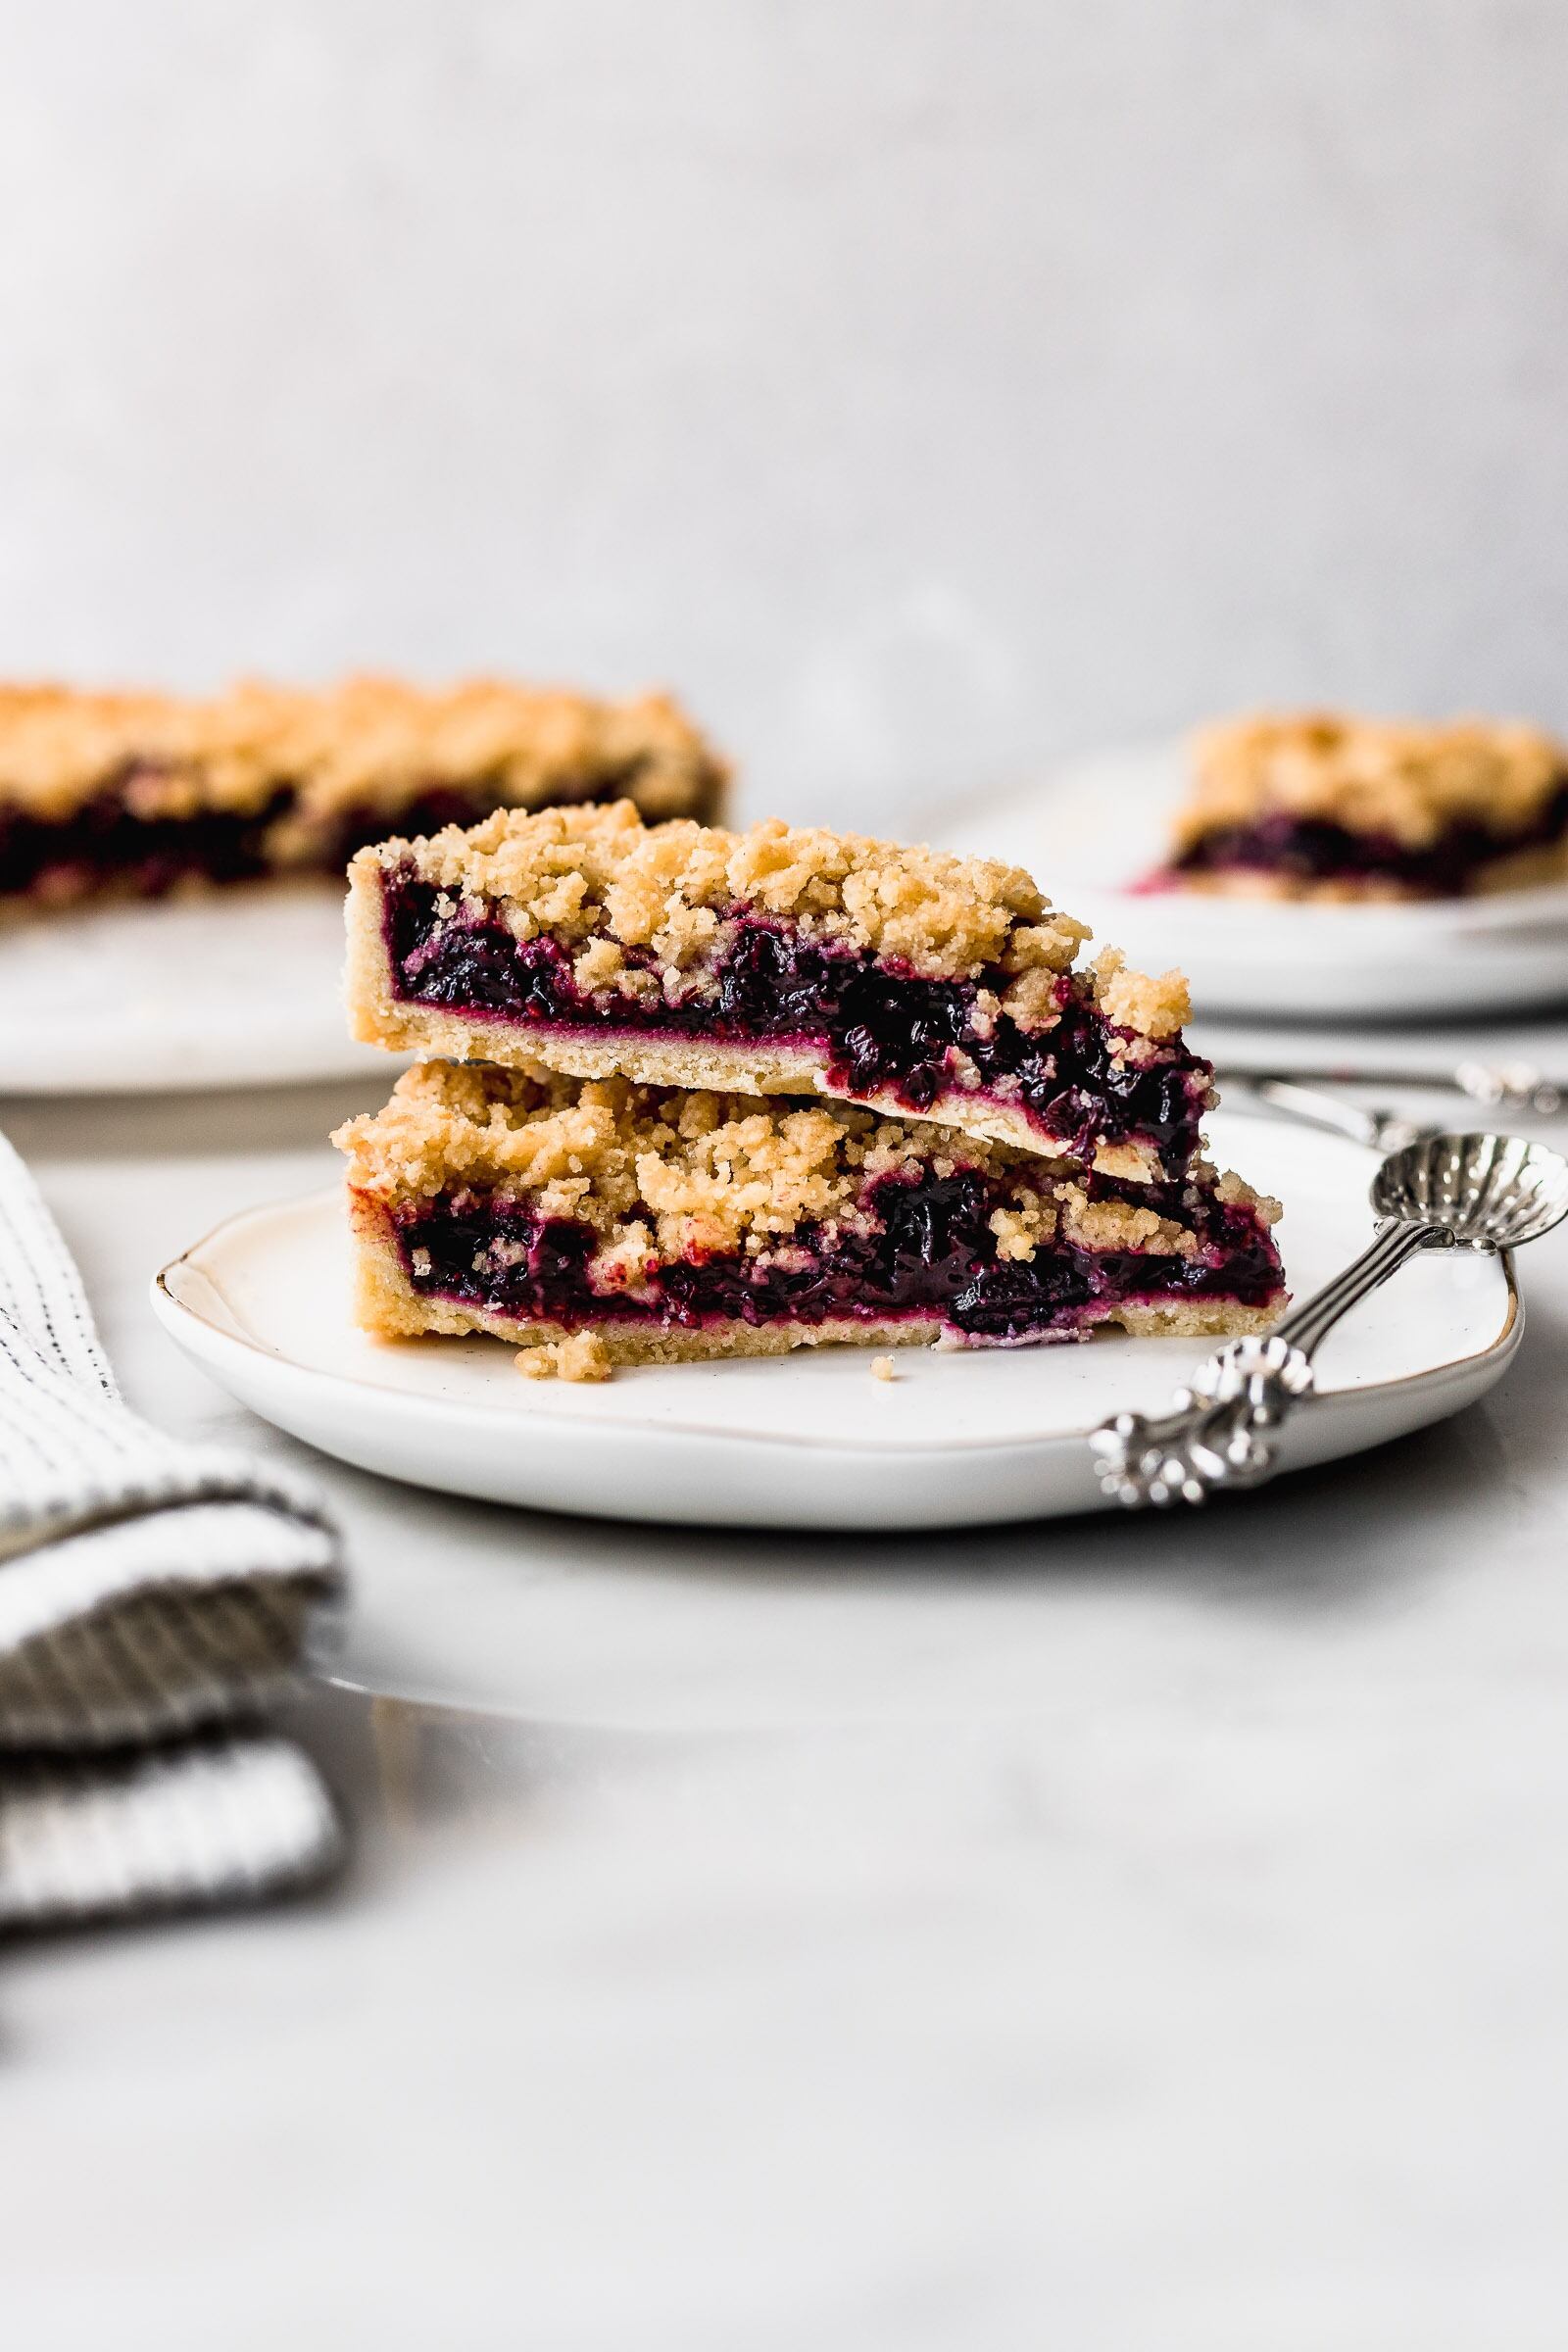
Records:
x=583, y=1356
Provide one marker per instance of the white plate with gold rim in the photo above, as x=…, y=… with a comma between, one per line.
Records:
x=813, y=1440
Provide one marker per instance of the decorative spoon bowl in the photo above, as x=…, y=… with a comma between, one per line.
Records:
x=1493, y=1191
x=1478, y=1192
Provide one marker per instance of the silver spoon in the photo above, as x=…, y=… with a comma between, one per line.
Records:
x=1478, y=1192
x=1516, y=1086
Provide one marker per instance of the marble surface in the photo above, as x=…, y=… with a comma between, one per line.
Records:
x=1129, y=1933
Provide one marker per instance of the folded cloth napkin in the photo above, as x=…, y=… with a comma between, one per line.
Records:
x=154, y=1598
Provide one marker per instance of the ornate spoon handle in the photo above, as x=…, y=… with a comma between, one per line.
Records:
x=1219, y=1433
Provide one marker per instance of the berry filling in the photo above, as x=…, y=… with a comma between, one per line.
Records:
x=108, y=844
x=885, y=1031
x=1313, y=850
x=922, y=1249
x=105, y=840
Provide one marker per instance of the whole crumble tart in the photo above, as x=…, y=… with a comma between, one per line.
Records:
x=1327, y=807
x=601, y=1222
x=140, y=793
x=778, y=960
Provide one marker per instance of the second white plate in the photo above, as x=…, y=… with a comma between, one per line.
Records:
x=813, y=1439
x=239, y=987
x=1090, y=832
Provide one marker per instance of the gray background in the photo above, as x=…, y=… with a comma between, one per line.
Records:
x=923, y=389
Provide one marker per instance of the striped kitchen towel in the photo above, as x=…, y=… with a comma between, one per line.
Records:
x=156, y=1597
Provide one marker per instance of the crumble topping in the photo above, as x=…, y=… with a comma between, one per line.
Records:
x=1033, y=1002
x=1021, y=1229
x=1133, y=1001
x=1236, y=1192
x=1113, y=1225
x=368, y=741
x=598, y=877
x=664, y=1173
x=1406, y=779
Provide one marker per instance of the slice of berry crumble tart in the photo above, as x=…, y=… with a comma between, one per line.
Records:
x=600, y=1222
x=135, y=795
x=1333, y=808
x=779, y=961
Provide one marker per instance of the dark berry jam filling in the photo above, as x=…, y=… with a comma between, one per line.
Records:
x=103, y=843
x=1309, y=849
x=106, y=845
x=930, y=1253
x=884, y=1030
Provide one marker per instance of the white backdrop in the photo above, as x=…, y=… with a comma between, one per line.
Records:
x=925, y=386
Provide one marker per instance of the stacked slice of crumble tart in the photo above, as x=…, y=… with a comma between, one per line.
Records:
x=776, y=961
x=692, y=1093
x=612, y=1222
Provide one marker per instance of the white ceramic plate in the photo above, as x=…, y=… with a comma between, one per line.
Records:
x=239, y=987
x=813, y=1439
x=1088, y=833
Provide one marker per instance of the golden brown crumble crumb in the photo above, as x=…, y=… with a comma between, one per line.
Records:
x=1127, y=1161
x=590, y=873
x=1117, y=1225
x=1408, y=779
x=1034, y=1000
x=882, y=1368
x=581, y=1356
x=1021, y=1229
x=1157, y=1008
x=600, y=964
x=1052, y=945
x=1237, y=1193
